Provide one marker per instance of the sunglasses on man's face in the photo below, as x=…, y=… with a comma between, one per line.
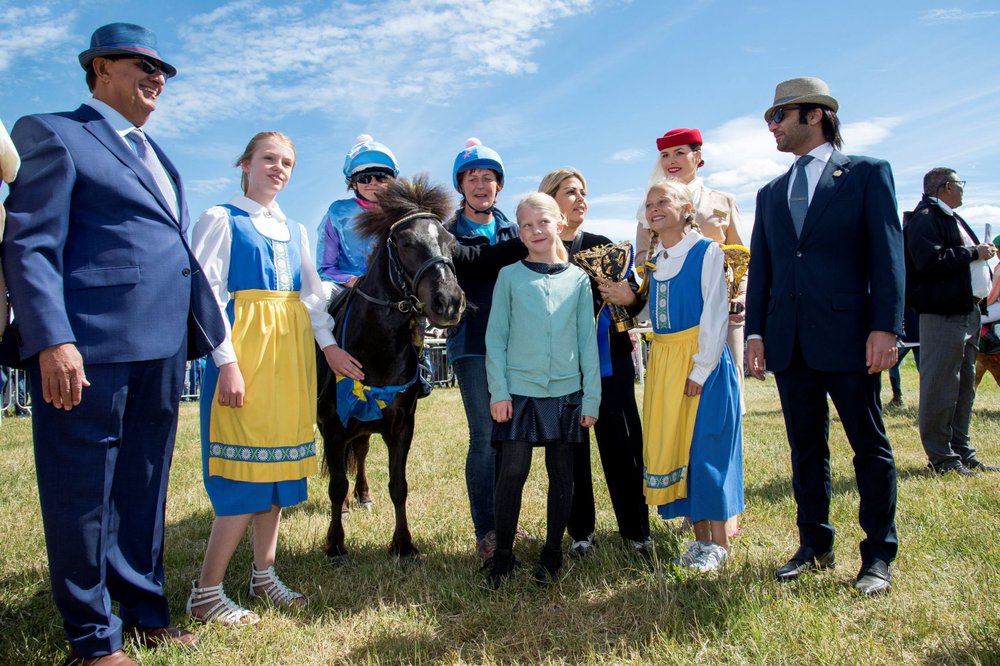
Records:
x=366, y=178
x=779, y=114
x=147, y=65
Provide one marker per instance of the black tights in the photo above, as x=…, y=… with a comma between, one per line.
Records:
x=514, y=464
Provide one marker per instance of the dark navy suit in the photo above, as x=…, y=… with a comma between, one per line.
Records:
x=814, y=299
x=95, y=257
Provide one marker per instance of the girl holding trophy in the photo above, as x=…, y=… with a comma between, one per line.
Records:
x=691, y=409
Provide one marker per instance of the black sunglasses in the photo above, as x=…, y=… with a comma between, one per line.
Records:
x=365, y=178
x=145, y=64
x=779, y=114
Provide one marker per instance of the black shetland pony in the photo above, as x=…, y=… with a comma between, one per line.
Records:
x=410, y=280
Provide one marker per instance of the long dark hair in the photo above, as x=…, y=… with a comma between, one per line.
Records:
x=830, y=123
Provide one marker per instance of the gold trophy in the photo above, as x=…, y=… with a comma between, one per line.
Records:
x=737, y=263
x=612, y=261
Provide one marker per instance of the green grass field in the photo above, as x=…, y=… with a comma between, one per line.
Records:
x=608, y=608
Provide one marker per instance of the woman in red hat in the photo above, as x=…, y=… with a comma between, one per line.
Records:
x=716, y=215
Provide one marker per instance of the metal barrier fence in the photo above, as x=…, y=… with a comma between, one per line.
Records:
x=14, y=398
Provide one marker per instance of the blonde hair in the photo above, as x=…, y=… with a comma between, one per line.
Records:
x=252, y=147
x=676, y=187
x=553, y=179
x=544, y=203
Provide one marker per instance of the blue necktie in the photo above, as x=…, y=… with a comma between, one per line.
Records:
x=798, y=203
x=148, y=157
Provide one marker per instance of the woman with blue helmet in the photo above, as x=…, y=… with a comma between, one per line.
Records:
x=478, y=175
x=342, y=254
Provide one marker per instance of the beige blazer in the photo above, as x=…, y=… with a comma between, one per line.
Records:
x=10, y=162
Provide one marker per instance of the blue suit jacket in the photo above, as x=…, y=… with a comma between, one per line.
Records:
x=93, y=254
x=840, y=280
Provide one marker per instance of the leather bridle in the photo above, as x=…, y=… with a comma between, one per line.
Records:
x=406, y=285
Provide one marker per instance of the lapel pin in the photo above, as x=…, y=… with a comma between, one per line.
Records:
x=838, y=172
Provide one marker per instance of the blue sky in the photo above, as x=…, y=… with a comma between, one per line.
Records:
x=587, y=83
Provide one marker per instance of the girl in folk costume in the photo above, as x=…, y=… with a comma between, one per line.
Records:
x=717, y=218
x=342, y=254
x=544, y=379
x=691, y=409
x=258, y=396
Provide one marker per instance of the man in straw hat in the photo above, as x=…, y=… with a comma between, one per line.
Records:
x=824, y=305
x=96, y=251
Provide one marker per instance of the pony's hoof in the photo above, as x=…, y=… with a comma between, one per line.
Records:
x=338, y=561
x=414, y=559
x=366, y=503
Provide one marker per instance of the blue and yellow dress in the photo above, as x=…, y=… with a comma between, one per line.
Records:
x=693, y=446
x=260, y=455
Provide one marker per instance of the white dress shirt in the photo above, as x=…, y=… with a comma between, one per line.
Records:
x=211, y=243
x=821, y=155
x=714, y=324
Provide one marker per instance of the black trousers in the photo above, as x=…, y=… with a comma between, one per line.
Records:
x=619, y=442
x=855, y=395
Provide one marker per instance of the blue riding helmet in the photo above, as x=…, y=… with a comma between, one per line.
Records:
x=366, y=154
x=476, y=156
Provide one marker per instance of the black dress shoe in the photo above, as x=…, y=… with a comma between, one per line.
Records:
x=873, y=578
x=957, y=468
x=804, y=559
x=977, y=465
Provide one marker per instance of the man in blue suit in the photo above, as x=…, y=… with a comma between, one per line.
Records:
x=109, y=302
x=825, y=304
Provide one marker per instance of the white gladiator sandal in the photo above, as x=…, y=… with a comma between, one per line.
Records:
x=266, y=585
x=221, y=609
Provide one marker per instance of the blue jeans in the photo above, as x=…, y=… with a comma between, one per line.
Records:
x=480, y=463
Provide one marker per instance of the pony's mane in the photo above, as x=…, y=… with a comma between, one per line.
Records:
x=402, y=198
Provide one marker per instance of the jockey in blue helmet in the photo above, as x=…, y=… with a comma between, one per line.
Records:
x=341, y=255
x=478, y=175
x=477, y=157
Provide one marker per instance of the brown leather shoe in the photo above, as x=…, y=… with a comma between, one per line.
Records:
x=154, y=637
x=116, y=658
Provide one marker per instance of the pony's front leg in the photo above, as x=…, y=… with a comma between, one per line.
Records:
x=336, y=550
x=399, y=449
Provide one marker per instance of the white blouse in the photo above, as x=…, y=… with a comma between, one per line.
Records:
x=211, y=243
x=714, y=323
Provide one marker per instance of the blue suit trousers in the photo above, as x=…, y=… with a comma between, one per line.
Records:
x=102, y=473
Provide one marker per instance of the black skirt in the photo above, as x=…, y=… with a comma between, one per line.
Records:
x=543, y=420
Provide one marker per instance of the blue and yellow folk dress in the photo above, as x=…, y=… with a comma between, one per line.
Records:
x=259, y=455
x=693, y=446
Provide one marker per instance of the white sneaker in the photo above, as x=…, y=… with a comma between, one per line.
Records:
x=690, y=554
x=582, y=547
x=711, y=558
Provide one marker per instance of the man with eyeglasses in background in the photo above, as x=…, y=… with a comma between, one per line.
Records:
x=947, y=281
x=96, y=253
x=825, y=301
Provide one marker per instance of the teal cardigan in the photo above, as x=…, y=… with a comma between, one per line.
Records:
x=540, y=339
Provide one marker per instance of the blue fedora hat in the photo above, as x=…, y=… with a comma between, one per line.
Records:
x=124, y=39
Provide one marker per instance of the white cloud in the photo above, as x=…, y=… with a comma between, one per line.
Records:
x=628, y=154
x=208, y=185
x=29, y=31
x=629, y=196
x=615, y=228
x=349, y=58
x=982, y=214
x=953, y=14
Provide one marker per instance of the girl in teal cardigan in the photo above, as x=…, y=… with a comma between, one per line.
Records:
x=544, y=379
